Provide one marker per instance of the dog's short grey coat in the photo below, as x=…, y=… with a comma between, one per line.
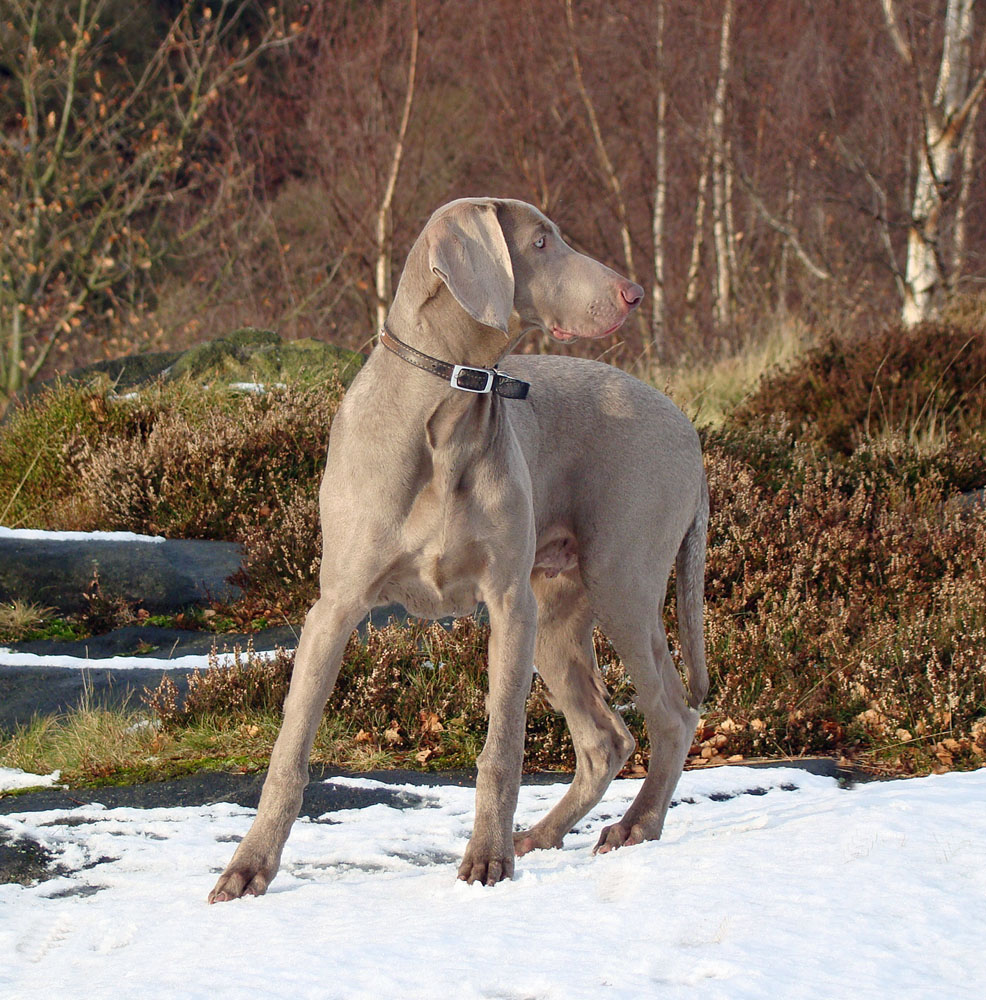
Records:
x=560, y=511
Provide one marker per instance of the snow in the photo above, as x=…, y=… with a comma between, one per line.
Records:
x=802, y=890
x=193, y=661
x=256, y=388
x=14, y=777
x=33, y=535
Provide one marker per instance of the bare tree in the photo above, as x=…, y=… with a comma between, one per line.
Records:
x=947, y=114
x=93, y=152
x=722, y=228
x=658, y=297
x=384, y=231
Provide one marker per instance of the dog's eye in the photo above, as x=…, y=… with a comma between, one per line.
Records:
x=540, y=242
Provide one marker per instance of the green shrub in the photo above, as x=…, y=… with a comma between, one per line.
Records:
x=38, y=441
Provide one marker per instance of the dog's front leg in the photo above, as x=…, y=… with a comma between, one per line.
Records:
x=323, y=642
x=489, y=856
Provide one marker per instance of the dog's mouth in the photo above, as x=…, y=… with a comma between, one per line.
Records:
x=567, y=336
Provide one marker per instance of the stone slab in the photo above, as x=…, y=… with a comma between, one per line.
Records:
x=162, y=577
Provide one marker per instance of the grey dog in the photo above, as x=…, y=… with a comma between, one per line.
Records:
x=559, y=494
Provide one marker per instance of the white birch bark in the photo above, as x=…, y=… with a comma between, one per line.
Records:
x=946, y=117
x=957, y=264
x=658, y=300
x=384, y=227
x=720, y=179
x=698, y=237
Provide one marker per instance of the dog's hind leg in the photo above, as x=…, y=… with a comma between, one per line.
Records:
x=323, y=641
x=566, y=661
x=660, y=695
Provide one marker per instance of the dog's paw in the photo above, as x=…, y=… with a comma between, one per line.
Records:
x=486, y=866
x=619, y=835
x=530, y=840
x=239, y=881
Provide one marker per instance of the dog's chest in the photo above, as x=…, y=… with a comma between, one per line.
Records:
x=433, y=584
x=445, y=550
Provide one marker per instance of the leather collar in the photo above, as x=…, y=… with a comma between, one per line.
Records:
x=468, y=378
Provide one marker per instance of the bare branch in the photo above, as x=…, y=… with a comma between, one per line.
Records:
x=785, y=229
x=896, y=35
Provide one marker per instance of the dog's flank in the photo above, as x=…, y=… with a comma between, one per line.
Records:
x=561, y=510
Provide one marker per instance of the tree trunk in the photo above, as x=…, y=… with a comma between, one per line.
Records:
x=384, y=263
x=658, y=302
x=721, y=180
x=698, y=237
x=962, y=206
x=946, y=118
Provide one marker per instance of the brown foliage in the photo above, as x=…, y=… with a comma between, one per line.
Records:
x=843, y=606
x=921, y=384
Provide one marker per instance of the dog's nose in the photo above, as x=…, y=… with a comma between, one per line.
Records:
x=631, y=294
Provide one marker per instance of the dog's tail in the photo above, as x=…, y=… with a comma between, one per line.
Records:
x=690, y=597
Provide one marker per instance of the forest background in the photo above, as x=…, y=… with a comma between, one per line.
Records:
x=794, y=180
x=173, y=170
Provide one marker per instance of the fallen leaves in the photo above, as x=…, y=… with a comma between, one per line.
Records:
x=710, y=745
x=392, y=737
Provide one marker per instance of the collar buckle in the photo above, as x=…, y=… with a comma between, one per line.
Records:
x=464, y=377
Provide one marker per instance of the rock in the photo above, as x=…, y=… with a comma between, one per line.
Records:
x=24, y=861
x=164, y=576
x=246, y=355
x=260, y=356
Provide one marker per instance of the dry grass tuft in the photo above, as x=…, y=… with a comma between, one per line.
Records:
x=19, y=619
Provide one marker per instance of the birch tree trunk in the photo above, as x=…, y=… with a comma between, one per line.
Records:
x=658, y=302
x=384, y=230
x=609, y=173
x=946, y=117
x=721, y=180
x=962, y=206
x=698, y=237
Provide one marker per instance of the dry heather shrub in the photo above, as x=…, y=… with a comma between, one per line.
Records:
x=209, y=469
x=926, y=384
x=417, y=690
x=249, y=684
x=387, y=681
x=844, y=607
x=407, y=687
x=283, y=551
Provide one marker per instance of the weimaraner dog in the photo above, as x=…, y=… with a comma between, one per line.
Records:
x=448, y=483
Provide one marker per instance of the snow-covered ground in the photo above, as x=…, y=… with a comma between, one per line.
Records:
x=194, y=661
x=14, y=777
x=767, y=884
x=36, y=535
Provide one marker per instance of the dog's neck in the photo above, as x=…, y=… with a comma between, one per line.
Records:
x=439, y=326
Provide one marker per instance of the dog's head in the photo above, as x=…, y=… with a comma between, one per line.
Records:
x=497, y=256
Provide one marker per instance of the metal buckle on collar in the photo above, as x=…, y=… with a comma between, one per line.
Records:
x=469, y=370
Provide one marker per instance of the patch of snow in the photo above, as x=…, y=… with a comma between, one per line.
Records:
x=196, y=661
x=31, y=534
x=767, y=883
x=257, y=388
x=14, y=777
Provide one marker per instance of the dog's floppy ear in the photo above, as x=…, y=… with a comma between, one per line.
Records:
x=467, y=250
